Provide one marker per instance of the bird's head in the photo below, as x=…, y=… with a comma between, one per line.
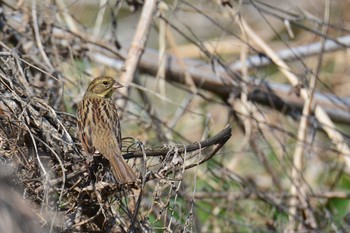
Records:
x=103, y=87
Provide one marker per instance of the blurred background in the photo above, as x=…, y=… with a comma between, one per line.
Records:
x=275, y=71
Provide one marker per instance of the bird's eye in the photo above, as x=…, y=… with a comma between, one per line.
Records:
x=105, y=83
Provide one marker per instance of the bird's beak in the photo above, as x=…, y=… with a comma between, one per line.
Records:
x=117, y=85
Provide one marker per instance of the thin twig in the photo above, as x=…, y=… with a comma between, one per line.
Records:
x=37, y=36
x=290, y=54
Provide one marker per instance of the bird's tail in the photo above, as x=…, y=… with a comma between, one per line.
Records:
x=123, y=173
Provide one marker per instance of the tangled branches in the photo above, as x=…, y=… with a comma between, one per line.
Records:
x=39, y=142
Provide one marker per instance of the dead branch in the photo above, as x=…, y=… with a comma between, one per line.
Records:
x=295, y=53
x=282, y=97
x=220, y=138
x=138, y=44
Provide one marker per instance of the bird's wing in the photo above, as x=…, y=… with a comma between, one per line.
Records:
x=84, y=124
x=116, y=124
x=118, y=132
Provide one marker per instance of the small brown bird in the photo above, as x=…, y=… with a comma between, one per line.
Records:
x=99, y=127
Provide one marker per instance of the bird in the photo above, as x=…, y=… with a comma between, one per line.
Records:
x=99, y=126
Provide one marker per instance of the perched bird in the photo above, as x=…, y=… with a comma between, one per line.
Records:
x=99, y=127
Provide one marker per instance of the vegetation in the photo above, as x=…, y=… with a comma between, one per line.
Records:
x=234, y=114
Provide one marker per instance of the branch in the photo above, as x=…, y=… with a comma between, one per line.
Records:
x=291, y=54
x=220, y=139
x=278, y=96
x=138, y=44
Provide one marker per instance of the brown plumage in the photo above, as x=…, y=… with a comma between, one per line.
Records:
x=99, y=127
